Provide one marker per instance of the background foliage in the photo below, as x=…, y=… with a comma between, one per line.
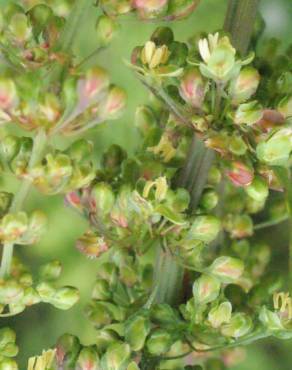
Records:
x=39, y=327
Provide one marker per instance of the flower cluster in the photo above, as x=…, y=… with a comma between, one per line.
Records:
x=167, y=10
x=8, y=348
x=19, y=291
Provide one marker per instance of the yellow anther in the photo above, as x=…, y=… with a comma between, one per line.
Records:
x=283, y=302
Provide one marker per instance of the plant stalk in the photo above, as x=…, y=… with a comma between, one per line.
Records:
x=19, y=198
x=239, y=22
x=240, y=18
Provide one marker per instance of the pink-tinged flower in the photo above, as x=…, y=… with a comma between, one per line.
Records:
x=114, y=103
x=91, y=245
x=150, y=8
x=240, y=174
x=90, y=87
x=8, y=94
x=192, y=88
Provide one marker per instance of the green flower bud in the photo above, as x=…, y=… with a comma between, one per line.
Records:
x=159, y=342
x=163, y=314
x=10, y=145
x=276, y=150
x=244, y=85
x=162, y=36
x=285, y=106
x=10, y=292
x=113, y=104
x=209, y=199
x=51, y=270
x=103, y=197
x=30, y=297
x=219, y=315
x=237, y=145
x=148, y=9
x=270, y=319
x=9, y=350
x=137, y=329
x=80, y=150
x=106, y=28
x=133, y=366
x=99, y=314
x=254, y=206
x=64, y=298
x=248, y=113
x=214, y=176
x=179, y=9
x=67, y=350
x=13, y=226
x=128, y=275
x=39, y=16
x=239, y=325
x=46, y=291
x=91, y=245
x=239, y=226
x=258, y=189
x=204, y=228
x=227, y=269
x=116, y=357
x=192, y=88
x=105, y=338
x=101, y=290
x=87, y=359
x=7, y=335
x=206, y=289
x=20, y=27
x=108, y=271
x=8, y=364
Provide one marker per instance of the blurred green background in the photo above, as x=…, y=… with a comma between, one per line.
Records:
x=38, y=327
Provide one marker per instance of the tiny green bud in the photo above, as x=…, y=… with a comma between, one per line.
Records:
x=239, y=325
x=101, y=290
x=206, y=289
x=237, y=145
x=285, y=106
x=10, y=145
x=239, y=226
x=244, y=85
x=20, y=27
x=64, y=298
x=258, y=189
x=39, y=16
x=5, y=201
x=204, y=228
x=103, y=197
x=162, y=36
x=220, y=314
x=51, y=270
x=7, y=335
x=116, y=357
x=10, y=291
x=106, y=28
x=248, y=113
x=80, y=150
x=8, y=364
x=209, y=199
x=136, y=332
x=46, y=291
x=145, y=119
x=87, y=359
x=105, y=338
x=214, y=176
x=227, y=269
x=99, y=314
x=30, y=297
x=270, y=319
x=67, y=350
x=159, y=342
x=276, y=150
x=133, y=366
x=9, y=350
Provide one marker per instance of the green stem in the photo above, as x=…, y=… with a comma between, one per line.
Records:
x=19, y=198
x=239, y=22
x=270, y=223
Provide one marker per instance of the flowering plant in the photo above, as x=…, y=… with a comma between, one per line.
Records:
x=183, y=275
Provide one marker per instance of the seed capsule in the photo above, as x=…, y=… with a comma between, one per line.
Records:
x=239, y=325
x=192, y=88
x=258, y=189
x=88, y=359
x=244, y=85
x=159, y=342
x=227, y=269
x=106, y=28
x=220, y=314
x=136, y=332
x=204, y=228
x=116, y=357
